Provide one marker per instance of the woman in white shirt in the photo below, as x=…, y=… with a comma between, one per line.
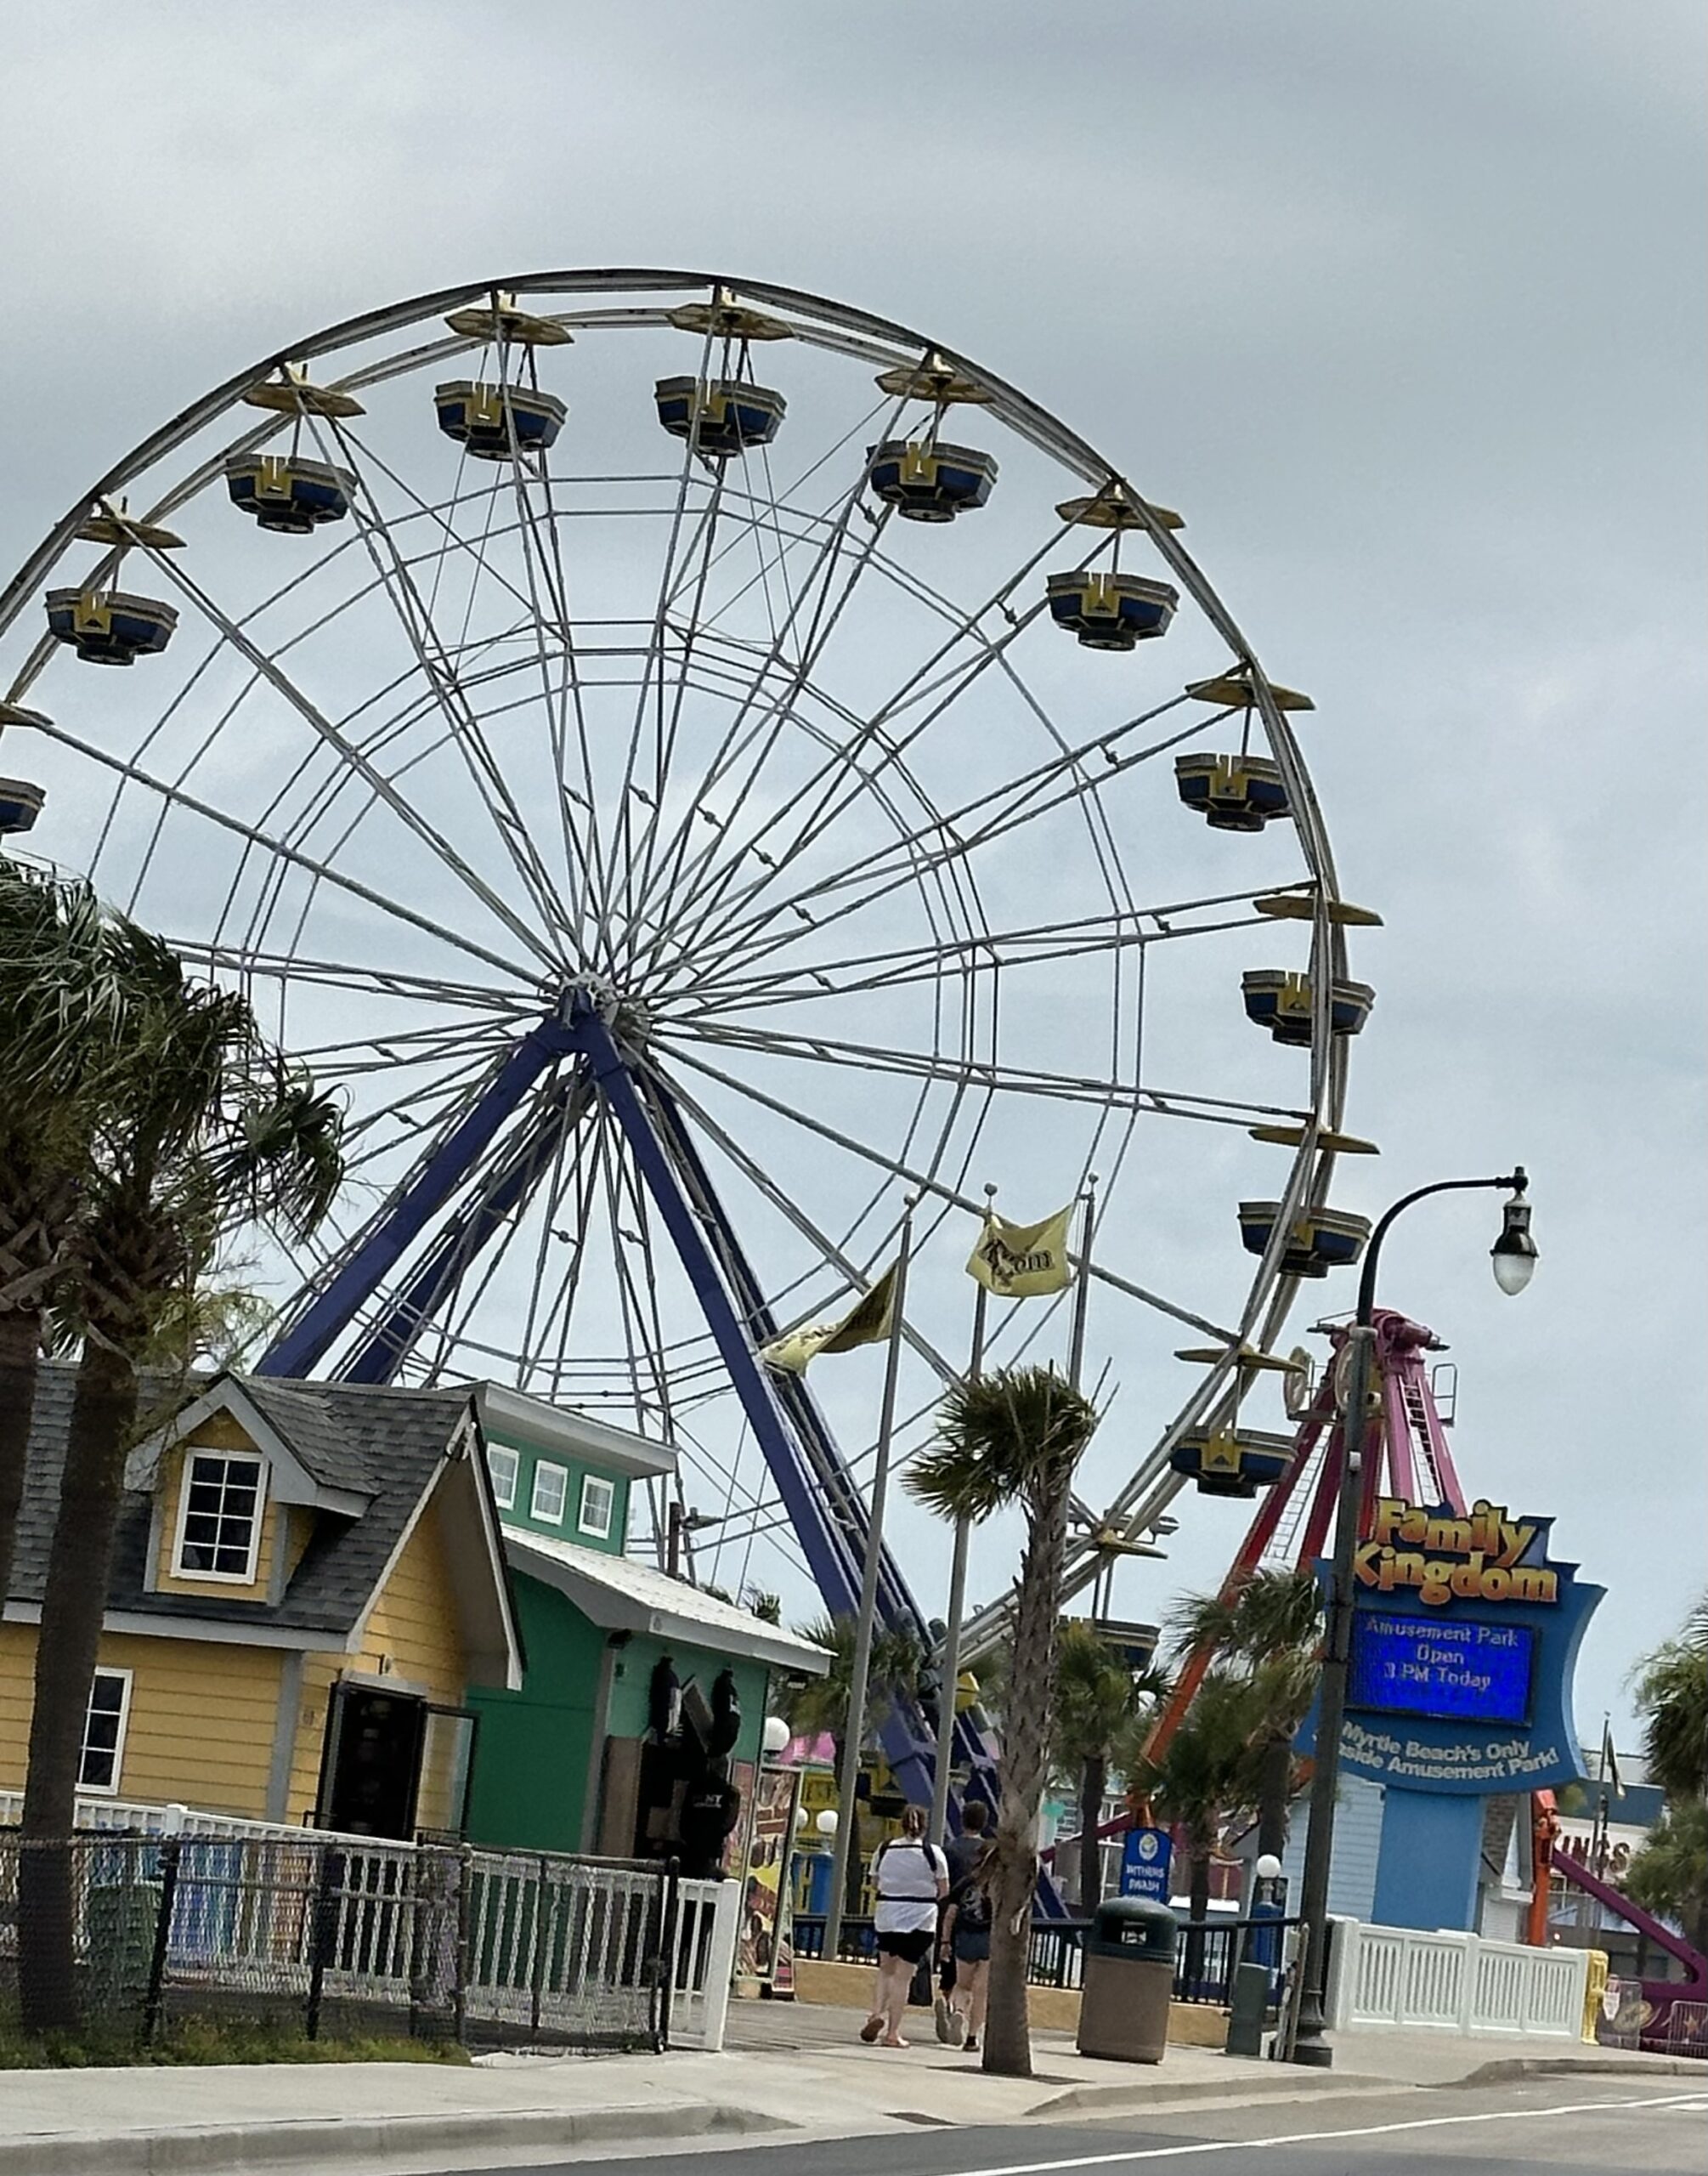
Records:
x=911, y=1878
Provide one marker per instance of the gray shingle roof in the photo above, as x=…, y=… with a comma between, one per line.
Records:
x=387, y=1444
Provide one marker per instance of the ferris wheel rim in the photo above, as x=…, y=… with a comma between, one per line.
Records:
x=1311, y=1169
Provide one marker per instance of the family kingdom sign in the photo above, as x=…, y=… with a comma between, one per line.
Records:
x=1465, y=1634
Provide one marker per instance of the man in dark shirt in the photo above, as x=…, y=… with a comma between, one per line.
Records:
x=963, y=1851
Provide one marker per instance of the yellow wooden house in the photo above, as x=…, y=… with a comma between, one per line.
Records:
x=308, y=1584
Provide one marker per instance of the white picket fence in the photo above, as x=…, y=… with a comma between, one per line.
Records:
x=550, y=1937
x=1398, y=1976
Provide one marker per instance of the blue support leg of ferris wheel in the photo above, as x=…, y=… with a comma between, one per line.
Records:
x=384, y=1349
x=301, y=1345
x=827, y=1555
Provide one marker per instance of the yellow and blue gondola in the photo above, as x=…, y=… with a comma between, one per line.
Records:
x=1108, y=610
x=722, y=415
x=110, y=627
x=1321, y=1239
x=926, y=481
x=288, y=494
x=495, y=421
x=1282, y=1002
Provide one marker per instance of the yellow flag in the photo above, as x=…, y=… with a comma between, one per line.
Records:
x=1018, y=1262
x=868, y=1322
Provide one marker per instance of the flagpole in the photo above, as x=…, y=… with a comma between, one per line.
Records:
x=1076, y=1349
x=848, y=1778
x=949, y=1675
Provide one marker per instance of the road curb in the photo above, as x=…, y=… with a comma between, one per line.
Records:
x=218, y=2149
x=1249, y=2082
x=1512, y=2067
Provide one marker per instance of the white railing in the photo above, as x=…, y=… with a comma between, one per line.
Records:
x=554, y=1944
x=1399, y=1976
x=708, y=1922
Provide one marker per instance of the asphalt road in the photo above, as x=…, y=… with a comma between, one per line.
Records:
x=1614, y=2126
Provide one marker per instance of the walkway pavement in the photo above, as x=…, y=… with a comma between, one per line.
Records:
x=792, y=2070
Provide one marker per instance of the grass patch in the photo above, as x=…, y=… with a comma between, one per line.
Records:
x=200, y=2040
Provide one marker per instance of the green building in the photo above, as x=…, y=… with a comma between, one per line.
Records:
x=572, y=1761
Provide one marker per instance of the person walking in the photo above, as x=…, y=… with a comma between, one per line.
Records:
x=965, y=1941
x=963, y=1853
x=912, y=1879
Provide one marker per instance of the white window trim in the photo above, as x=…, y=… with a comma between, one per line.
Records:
x=106, y=1790
x=247, y=1577
x=503, y=1451
x=541, y=1467
x=583, y=1523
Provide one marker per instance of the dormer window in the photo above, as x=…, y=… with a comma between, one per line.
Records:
x=503, y=1464
x=219, y=1517
x=550, y=1490
x=598, y=1505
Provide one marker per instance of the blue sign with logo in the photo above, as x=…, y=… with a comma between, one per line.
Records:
x=1145, y=1864
x=1464, y=1637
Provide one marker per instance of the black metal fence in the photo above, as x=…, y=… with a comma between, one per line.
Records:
x=1207, y=1953
x=128, y=1933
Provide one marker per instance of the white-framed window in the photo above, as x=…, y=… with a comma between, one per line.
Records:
x=503, y=1465
x=104, y=1732
x=598, y=1505
x=219, y=1516
x=550, y=1490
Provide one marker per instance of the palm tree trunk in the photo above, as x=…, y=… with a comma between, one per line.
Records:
x=103, y=1418
x=1093, y=1782
x=1200, y=1844
x=1037, y=1608
x=21, y=1353
x=1275, y=1796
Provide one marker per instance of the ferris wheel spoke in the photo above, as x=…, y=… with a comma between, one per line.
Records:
x=763, y=713
x=341, y=974
x=338, y=878
x=836, y=795
x=564, y=697
x=1099, y=1093
x=407, y=814
x=1124, y=928
x=463, y=729
x=834, y=1256
x=934, y=1185
x=945, y=840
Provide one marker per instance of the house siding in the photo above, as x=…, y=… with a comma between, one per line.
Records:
x=568, y=1528
x=410, y=1639
x=201, y=1721
x=539, y=1752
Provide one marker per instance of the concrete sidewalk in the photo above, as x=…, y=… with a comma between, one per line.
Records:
x=801, y=2074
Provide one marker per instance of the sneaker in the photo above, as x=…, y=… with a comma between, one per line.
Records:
x=945, y=2018
x=958, y=2029
x=970, y=2043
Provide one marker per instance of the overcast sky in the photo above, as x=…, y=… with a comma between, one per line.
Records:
x=1404, y=307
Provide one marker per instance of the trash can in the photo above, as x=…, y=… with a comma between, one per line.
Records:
x=1129, y=1979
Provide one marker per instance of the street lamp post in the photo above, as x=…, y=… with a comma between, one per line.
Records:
x=1514, y=1256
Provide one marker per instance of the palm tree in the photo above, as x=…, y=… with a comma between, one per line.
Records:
x=1202, y=1775
x=205, y=1130
x=1014, y=1437
x=1672, y=1692
x=1098, y=1701
x=1268, y=1628
x=819, y=1707
x=62, y=1011
x=1670, y=1872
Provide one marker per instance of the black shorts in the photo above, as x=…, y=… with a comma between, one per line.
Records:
x=910, y=1946
x=972, y=1945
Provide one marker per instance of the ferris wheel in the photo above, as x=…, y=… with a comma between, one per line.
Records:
x=697, y=765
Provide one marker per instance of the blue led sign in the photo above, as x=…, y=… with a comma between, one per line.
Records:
x=1456, y=1671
